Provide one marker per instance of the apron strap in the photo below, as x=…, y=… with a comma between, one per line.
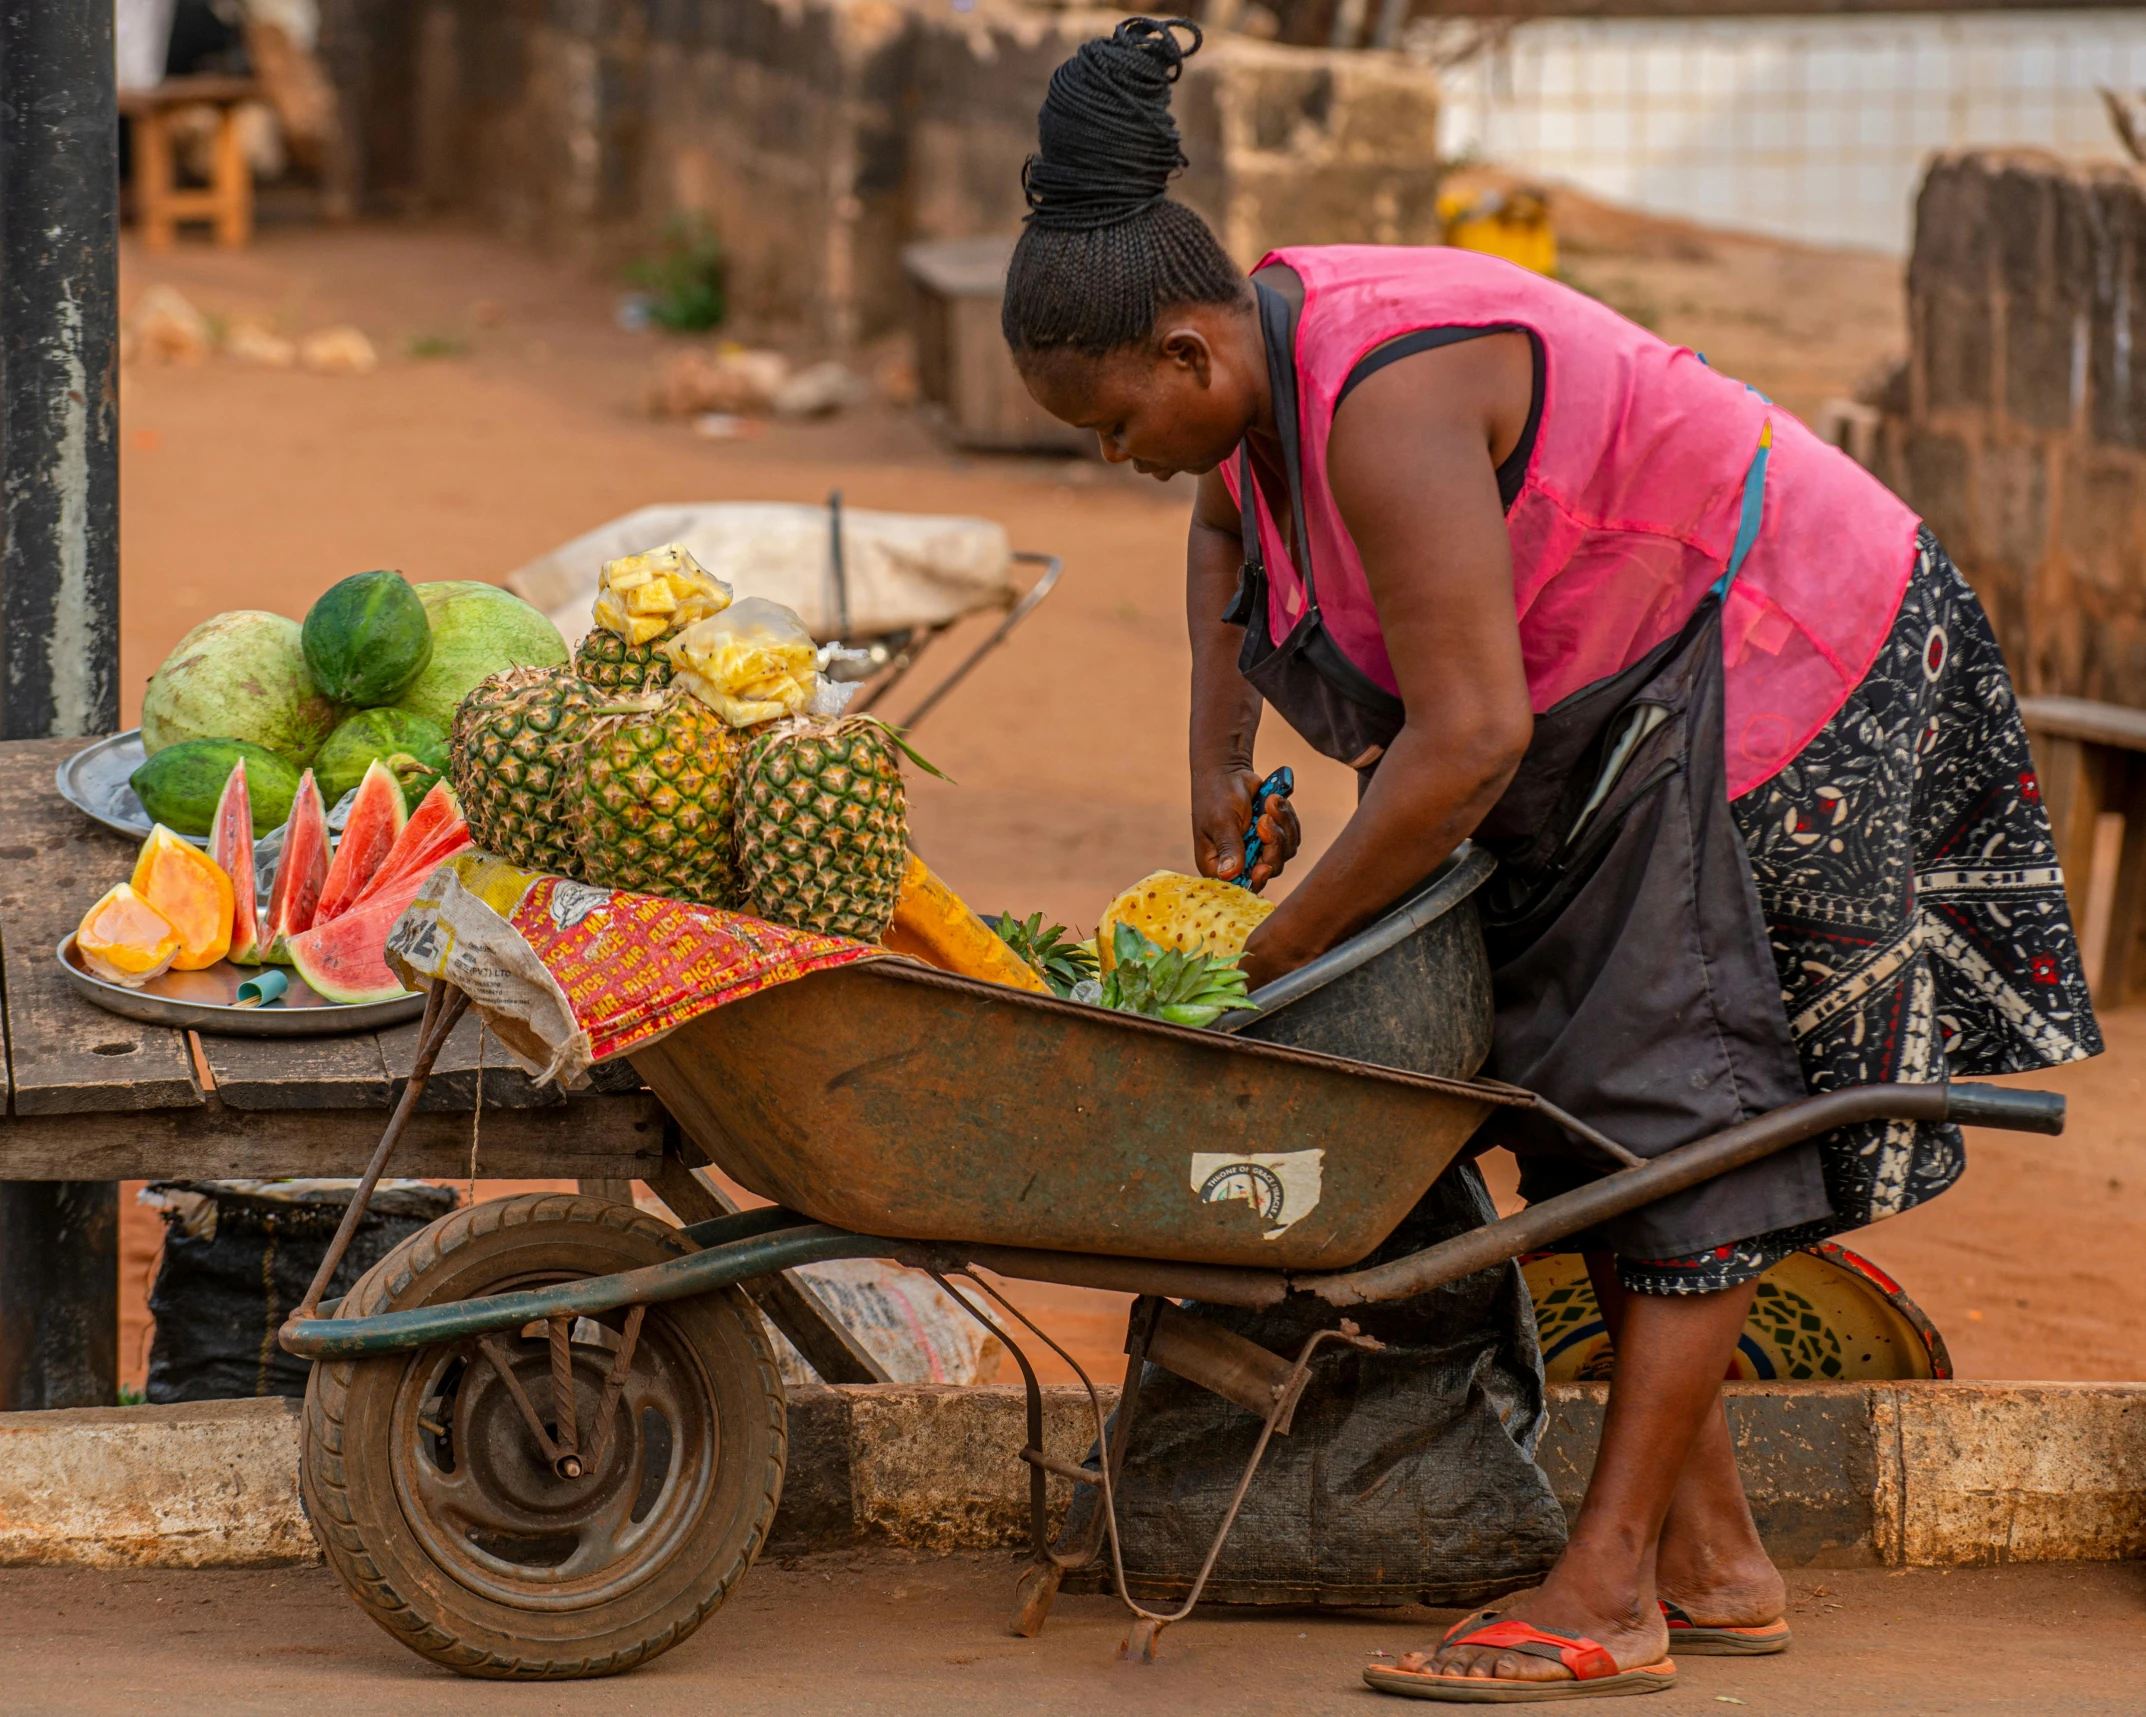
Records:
x=1747, y=529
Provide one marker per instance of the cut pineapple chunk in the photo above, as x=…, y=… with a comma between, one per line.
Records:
x=643, y=596
x=751, y=663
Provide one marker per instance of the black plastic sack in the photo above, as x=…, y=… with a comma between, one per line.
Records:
x=238, y=1256
x=1408, y=1478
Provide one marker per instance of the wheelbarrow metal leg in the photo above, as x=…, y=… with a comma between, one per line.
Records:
x=1037, y=1587
x=444, y=1006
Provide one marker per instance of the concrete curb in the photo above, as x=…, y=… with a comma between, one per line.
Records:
x=1906, y=1474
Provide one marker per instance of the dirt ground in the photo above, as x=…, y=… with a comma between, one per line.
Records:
x=246, y=487
x=834, y=1635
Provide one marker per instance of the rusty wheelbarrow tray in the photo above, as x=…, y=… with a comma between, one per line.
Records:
x=954, y=1126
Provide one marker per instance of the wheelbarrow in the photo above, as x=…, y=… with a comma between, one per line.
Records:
x=545, y=1436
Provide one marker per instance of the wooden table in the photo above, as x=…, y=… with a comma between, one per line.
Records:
x=160, y=201
x=92, y=1097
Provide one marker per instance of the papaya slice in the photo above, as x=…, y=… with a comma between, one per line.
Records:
x=231, y=846
x=189, y=888
x=932, y=924
x=300, y=872
x=376, y=818
x=125, y=940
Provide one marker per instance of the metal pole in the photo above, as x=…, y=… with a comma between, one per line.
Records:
x=59, y=587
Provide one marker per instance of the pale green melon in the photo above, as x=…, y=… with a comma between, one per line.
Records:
x=240, y=675
x=477, y=630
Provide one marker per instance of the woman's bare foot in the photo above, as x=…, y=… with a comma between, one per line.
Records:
x=1627, y=1625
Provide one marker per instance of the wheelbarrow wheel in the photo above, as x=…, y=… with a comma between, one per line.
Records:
x=447, y=1517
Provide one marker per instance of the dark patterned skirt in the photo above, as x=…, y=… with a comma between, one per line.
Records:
x=1910, y=885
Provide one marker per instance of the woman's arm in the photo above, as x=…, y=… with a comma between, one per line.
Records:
x=1225, y=708
x=1412, y=464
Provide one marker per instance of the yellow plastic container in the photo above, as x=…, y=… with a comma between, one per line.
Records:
x=1512, y=224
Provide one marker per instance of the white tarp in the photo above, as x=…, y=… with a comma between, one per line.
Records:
x=901, y=569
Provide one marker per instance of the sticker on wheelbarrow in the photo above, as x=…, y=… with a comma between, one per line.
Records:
x=1283, y=1186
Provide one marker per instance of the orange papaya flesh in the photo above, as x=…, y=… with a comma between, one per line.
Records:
x=125, y=940
x=189, y=888
x=932, y=924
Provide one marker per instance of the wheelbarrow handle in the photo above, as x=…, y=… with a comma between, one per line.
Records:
x=2001, y=1106
x=1552, y=1220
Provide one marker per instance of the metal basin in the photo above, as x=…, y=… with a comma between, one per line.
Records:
x=909, y=1103
x=1410, y=991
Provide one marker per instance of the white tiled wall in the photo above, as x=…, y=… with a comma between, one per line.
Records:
x=1809, y=128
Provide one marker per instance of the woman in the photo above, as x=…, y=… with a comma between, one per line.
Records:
x=1736, y=729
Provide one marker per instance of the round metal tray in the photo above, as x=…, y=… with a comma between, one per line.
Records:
x=204, y=1001
x=94, y=781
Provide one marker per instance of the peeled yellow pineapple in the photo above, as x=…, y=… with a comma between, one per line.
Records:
x=644, y=596
x=1200, y=914
x=751, y=663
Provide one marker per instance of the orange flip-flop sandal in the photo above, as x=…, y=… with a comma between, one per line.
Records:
x=1695, y=1639
x=1595, y=1674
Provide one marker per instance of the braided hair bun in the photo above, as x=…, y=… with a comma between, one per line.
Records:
x=1105, y=251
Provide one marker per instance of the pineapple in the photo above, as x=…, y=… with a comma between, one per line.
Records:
x=1170, y=983
x=1194, y=913
x=642, y=600
x=1059, y=963
x=822, y=826
x=648, y=800
x=513, y=744
x=610, y=664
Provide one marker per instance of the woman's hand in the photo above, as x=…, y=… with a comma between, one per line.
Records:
x=1221, y=812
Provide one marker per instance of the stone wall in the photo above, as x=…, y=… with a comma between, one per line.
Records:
x=2018, y=425
x=823, y=135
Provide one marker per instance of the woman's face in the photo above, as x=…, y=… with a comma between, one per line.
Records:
x=1181, y=403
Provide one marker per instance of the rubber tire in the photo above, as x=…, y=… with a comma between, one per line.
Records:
x=349, y=1491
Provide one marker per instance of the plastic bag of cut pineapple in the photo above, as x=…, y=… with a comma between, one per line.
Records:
x=753, y=662
x=642, y=596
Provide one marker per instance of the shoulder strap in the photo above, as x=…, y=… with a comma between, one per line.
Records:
x=1278, y=327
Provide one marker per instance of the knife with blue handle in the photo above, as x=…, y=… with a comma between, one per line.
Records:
x=1280, y=785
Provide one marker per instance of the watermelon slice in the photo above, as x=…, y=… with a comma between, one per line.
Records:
x=376, y=818
x=299, y=873
x=231, y=846
x=345, y=959
x=434, y=834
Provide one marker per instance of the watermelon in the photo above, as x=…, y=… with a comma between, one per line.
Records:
x=300, y=873
x=434, y=834
x=231, y=846
x=345, y=959
x=376, y=818
x=366, y=638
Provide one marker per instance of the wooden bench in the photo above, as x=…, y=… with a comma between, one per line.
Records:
x=2092, y=761
x=160, y=201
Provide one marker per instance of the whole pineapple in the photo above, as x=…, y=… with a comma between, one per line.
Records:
x=649, y=798
x=512, y=746
x=823, y=826
x=609, y=664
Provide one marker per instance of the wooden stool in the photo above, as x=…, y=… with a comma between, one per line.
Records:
x=160, y=203
x=2092, y=762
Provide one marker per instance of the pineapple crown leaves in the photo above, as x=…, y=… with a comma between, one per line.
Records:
x=1170, y=984
x=1060, y=964
x=894, y=737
